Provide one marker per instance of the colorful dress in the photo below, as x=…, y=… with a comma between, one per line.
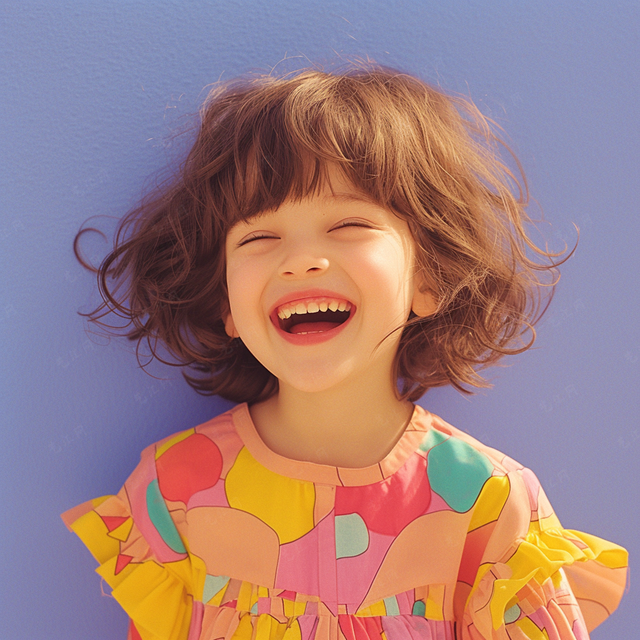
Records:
x=216, y=536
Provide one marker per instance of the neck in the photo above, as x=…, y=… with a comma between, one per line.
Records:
x=354, y=424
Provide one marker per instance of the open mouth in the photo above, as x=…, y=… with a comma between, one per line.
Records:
x=315, y=316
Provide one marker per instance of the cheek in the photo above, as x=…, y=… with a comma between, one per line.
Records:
x=237, y=286
x=388, y=270
x=245, y=297
x=240, y=294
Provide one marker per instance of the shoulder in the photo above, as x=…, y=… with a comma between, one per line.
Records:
x=192, y=460
x=462, y=449
x=468, y=474
x=219, y=427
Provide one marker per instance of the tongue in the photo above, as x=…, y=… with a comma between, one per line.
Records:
x=313, y=327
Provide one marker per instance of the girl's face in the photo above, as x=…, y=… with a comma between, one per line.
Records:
x=315, y=286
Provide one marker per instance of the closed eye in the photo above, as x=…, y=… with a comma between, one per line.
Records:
x=352, y=223
x=256, y=236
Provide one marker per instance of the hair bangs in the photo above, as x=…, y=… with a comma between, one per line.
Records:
x=282, y=148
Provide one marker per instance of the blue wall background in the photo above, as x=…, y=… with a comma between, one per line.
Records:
x=91, y=94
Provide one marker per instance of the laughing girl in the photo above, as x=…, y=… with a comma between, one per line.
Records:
x=335, y=245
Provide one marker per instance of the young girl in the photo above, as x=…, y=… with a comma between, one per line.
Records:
x=334, y=246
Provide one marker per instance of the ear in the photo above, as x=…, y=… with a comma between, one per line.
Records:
x=230, y=326
x=424, y=303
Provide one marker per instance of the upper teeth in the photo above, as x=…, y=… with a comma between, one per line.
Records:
x=287, y=310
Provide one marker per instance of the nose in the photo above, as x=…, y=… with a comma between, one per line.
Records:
x=302, y=262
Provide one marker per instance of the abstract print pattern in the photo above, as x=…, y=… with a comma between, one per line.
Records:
x=215, y=536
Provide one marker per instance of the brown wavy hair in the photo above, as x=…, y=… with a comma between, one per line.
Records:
x=432, y=159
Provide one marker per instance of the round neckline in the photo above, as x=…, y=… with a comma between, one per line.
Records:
x=419, y=423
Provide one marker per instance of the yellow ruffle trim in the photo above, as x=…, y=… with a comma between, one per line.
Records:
x=538, y=558
x=155, y=596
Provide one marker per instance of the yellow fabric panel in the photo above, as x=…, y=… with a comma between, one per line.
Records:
x=156, y=601
x=198, y=575
x=376, y=609
x=107, y=571
x=284, y=504
x=607, y=553
x=147, y=635
x=266, y=628
x=292, y=608
x=556, y=578
x=182, y=570
x=122, y=532
x=503, y=591
x=244, y=597
x=244, y=630
x=93, y=532
x=293, y=632
x=555, y=538
x=434, y=605
x=528, y=555
x=531, y=630
x=492, y=498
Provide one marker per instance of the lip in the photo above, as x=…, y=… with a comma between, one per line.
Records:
x=309, y=338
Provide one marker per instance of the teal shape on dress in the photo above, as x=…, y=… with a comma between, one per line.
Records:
x=352, y=537
x=512, y=614
x=419, y=608
x=391, y=606
x=254, y=609
x=433, y=438
x=213, y=584
x=161, y=518
x=457, y=473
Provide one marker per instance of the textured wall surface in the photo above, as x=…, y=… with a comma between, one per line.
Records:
x=92, y=94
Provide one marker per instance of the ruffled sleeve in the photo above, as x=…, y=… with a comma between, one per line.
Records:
x=536, y=580
x=141, y=554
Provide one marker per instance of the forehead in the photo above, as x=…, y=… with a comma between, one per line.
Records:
x=336, y=188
